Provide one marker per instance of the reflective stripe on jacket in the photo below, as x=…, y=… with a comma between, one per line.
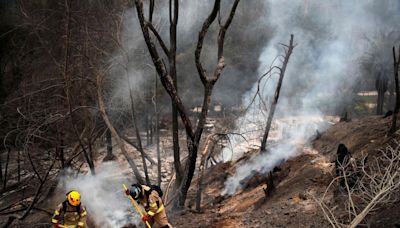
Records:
x=153, y=204
x=70, y=216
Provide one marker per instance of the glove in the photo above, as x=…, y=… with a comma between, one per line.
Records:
x=78, y=226
x=56, y=225
x=146, y=218
x=127, y=192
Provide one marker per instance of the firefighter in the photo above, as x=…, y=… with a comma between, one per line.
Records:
x=71, y=213
x=150, y=198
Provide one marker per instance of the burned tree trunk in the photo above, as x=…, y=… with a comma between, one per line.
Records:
x=342, y=156
x=1, y=168
x=381, y=85
x=208, y=81
x=396, y=63
x=60, y=152
x=172, y=72
x=208, y=149
x=157, y=133
x=110, y=156
x=277, y=92
x=18, y=166
x=270, y=186
x=6, y=168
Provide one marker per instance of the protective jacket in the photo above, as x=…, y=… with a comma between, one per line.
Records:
x=70, y=216
x=154, y=206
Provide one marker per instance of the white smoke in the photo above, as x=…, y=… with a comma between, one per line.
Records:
x=132, y=58
x=322, y=70
x=103, y=196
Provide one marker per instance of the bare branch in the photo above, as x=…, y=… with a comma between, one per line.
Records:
x=207, y=23
x=159, y=39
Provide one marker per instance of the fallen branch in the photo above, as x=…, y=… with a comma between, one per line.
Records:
x=107, y=121
x=127, y=140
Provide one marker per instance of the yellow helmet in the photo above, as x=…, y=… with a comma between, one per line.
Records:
x=74, y=198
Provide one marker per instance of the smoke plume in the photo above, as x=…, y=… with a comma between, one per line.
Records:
x=330, y=38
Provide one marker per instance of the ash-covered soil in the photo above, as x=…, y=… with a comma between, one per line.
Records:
x=298, y=184
x=301, y=181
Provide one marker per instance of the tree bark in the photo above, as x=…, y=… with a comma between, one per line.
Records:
x=157, y=132
x=277, y=92
x=6, y=168
x=110, y=155
x=1, y=168
x=60, y=149
x=147, y=123
x=18, y=166
x=380, y=99
x=208, y=149
x=396, y=63
x=173, y=12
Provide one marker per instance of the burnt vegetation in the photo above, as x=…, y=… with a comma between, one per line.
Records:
x=164, y=89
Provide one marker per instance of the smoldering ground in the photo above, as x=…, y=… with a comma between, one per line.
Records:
x=321, y=74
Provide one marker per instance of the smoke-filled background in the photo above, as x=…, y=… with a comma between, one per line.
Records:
x=247, y=35
x=328, y=61
x=49, y=99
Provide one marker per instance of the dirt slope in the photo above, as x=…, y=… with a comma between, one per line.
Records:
x=298, y=183
x=300, y=180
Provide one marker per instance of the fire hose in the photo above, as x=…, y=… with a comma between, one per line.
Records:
x=136, y=206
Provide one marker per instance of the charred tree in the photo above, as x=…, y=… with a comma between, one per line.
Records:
x=210, y=144
x=172, y=72
x=60, y=152
x=342, y=156
x=270, y=186
x=282, y=71
x=381, y=85
x=169, y=84
x=18, y=166
x=110, y=155
x=1, y=168
x=207, y=150
x=157, y=131
x=396, y=63
x=6, y=168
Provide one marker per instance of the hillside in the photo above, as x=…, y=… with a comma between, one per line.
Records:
x=300, y=181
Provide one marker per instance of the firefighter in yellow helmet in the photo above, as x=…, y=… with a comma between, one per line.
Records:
x=71, y=213
x=150, y=198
